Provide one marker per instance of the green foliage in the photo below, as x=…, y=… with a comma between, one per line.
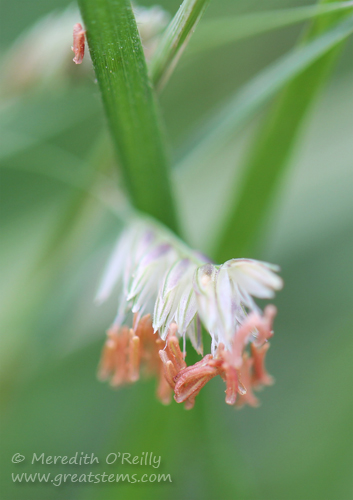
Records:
x=175, y=39
x=61, y=213
x=121, y=71
x=218, y=32
x=276, y=141
x=222, y=126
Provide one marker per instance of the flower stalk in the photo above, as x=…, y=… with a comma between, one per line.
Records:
x=130, y=105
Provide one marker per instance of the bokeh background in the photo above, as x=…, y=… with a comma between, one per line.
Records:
x=56, y=238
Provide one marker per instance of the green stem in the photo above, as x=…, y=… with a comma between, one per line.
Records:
x=130, y=106
x=175, y=40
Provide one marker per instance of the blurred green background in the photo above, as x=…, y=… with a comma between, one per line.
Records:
x=55, y=241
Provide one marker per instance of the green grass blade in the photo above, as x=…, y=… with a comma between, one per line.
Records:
x=175, y=40
x=237, y=111
x=19, y=131
x=130, y=105
x=215, y=33
x=273, y=147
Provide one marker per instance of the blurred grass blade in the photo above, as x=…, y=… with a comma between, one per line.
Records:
x=273, y=146
x=235, y=113
x=18, y=129
x=130, y=106
x=175, y=40
x=215, y=33
x=73, y=214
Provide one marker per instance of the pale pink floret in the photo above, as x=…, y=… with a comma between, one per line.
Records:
x=190, y=380
x=128, y=352
x=178, y=374
x=248, y=396
x=79, y=35
x=260, y=375
x=241, y=372
x=261, y=326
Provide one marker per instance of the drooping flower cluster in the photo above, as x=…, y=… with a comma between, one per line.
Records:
x=172, y=290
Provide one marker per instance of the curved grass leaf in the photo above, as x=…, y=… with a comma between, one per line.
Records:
x=246, y=102
x=175, y=39
x=274, y=145
x=130, y=106
x=215, y=33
